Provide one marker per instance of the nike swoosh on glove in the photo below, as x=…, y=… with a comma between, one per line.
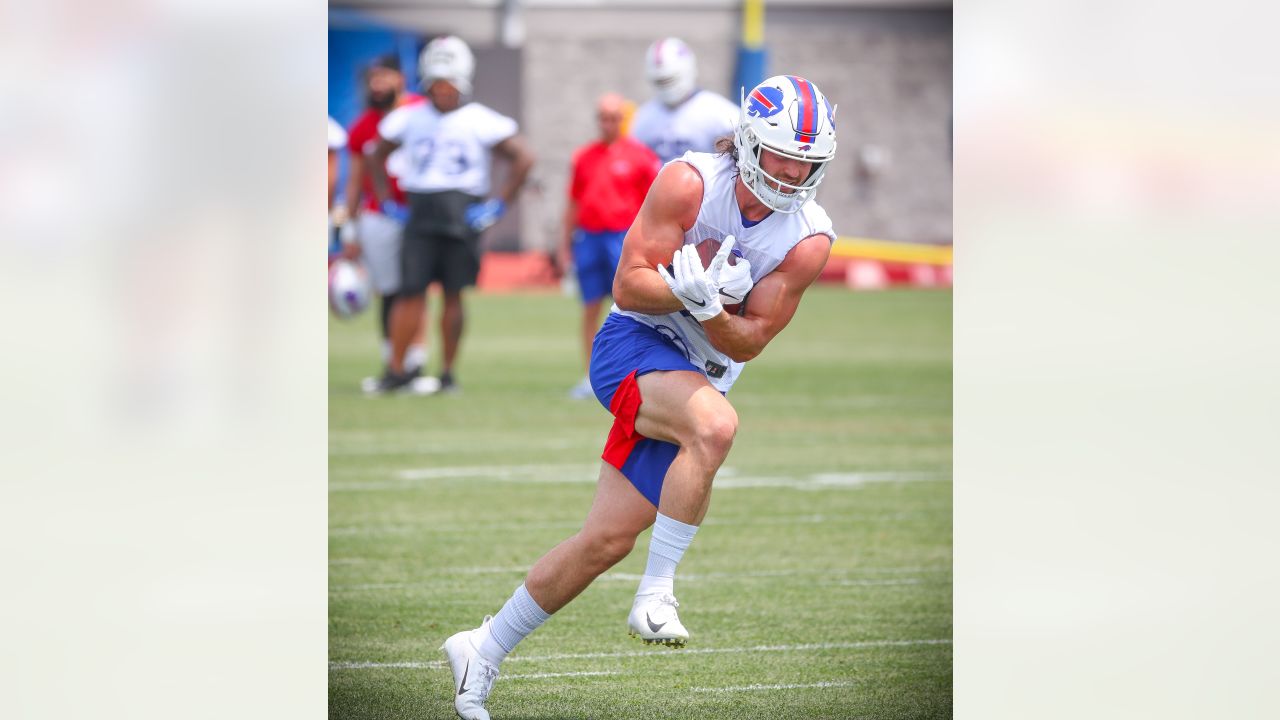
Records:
x=482, y=215
x=692, y=285
x=734, y=281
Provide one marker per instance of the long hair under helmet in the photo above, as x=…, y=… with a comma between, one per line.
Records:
x=789, y=116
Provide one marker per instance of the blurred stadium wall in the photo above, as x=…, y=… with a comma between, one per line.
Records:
x=887, y=64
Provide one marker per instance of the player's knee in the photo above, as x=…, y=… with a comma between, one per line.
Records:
x=715, y=433
x=609, y=549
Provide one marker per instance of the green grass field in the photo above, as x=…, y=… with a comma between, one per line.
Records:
x=818, y=587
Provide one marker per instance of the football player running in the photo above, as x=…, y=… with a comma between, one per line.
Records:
x=667, y=354
x=681, y=116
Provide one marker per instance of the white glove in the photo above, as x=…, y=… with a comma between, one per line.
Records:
x=734, y=281
x=692, y=285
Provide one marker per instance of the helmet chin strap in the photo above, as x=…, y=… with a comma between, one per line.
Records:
x=775, y=199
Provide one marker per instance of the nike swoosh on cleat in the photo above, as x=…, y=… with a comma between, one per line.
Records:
x=652, y=627
x=695, y=302
x=463, y=687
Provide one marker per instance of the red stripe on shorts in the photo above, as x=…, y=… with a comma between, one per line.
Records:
x=623, y=436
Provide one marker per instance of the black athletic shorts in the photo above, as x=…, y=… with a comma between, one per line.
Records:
x=438, y=245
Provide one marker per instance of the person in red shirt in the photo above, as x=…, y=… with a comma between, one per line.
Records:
x=373, y=232
x=610, y=178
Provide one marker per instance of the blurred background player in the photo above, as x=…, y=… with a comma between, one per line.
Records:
x=609, y=180
x=667, y=355
x=449, y=145
x=681, y=116
x=370, y=232
x=337, y=138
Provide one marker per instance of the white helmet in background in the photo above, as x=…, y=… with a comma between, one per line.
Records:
x=671, y=69
x=789, y=116
x=448, y=58
x=349, y=288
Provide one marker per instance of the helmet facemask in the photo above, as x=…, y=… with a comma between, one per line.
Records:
x=776, y=194
x=673, y=89
x=672, y=70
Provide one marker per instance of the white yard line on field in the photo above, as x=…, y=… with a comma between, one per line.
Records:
x=410, y=478
x=826, y=481
x=474, y=527
x=343, y=442
x=419, y=447
x=538, y=676
x=651, y=653
x=503, y=472
x=702, y=577
x=824, y=574
x=897, y=581
x=783, y=686
x=576, y=522
x=580, y=474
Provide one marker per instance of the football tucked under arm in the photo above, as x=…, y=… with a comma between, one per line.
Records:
x=773, y=302
x=733, y=282
x=692, y=284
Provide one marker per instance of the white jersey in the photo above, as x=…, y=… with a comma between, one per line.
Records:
x=337, y=136
x=693, y=125
x=765, y=244
x=446, y=151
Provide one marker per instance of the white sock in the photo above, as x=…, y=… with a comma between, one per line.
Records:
x=670, y=539
x=519, y=617
x=415, y=357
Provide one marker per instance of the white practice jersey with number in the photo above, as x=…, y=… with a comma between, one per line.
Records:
x=446, y=151
x=765, y=244
x=693, y=125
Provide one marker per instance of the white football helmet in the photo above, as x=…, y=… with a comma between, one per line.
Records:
x=448, y=58
x=672, y=70
x=789, y=116
x=349, y=288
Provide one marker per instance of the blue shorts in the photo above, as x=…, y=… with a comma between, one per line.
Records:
x=625, y=349
x=595, y=259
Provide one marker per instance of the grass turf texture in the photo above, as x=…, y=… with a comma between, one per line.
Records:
x=818, y=587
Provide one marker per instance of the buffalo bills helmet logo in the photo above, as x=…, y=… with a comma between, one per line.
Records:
x=764, y=102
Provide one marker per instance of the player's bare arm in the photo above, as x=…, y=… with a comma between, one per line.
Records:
x=377, y=168
x=333, y=175
x=355, y=176
x=670, y=209
x=772, y=302
x=517, y=152
x=564, y=254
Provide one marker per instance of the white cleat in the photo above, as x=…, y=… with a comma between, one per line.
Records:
x=653, y=619
x=473, y=676
x=425, y=386
x=416, y=386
